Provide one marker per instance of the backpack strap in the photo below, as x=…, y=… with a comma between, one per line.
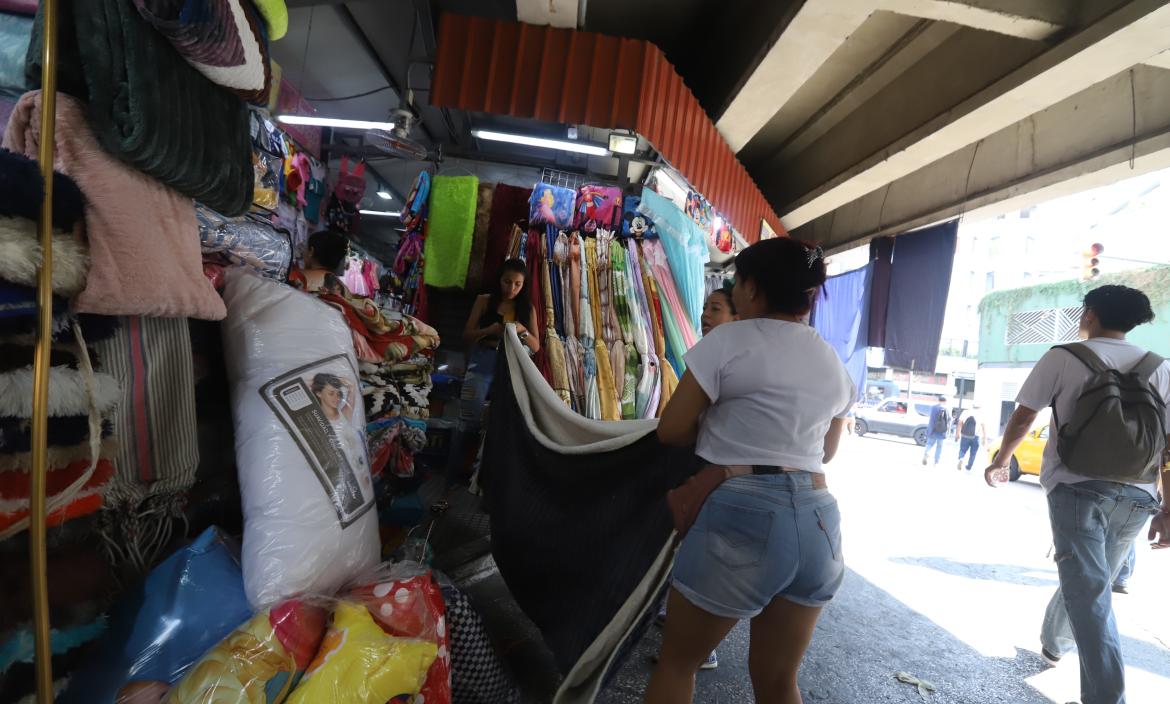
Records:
x=1147, y=366
x=1086, y=356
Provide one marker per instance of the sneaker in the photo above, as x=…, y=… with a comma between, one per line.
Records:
x=660, y=619
x=711, y=663
x=960, y=465
x=1048, y=657
x=923, y=461
x=1120, y=589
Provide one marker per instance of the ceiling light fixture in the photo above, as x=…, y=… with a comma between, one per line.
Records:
x=334, y=122
x=385, y=195
x=382, y=213
x=563, y=145
x=622, y=143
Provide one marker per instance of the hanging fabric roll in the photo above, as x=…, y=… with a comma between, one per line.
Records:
x=623, y=294
x=592, y=397
x=649, y=375
x=685, y=245
x=553, y=346
x=606, y=395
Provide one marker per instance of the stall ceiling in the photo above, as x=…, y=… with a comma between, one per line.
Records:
x=855, y=117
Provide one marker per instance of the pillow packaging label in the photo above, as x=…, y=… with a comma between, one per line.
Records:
x=316, y=404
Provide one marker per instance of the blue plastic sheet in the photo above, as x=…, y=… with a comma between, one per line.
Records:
x=183, y=608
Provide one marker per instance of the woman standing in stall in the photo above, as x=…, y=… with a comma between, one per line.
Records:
x=768, y=395
x=510, y=301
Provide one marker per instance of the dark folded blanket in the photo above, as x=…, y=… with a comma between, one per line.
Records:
x=148, y=106
x=580, y=527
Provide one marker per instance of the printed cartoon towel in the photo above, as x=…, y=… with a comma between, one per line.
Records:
x=597, y=206
x=551, y=205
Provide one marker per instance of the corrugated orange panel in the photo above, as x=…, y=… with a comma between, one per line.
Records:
x=561, y=75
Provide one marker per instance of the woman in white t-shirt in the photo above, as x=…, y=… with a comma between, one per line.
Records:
x=766, y=392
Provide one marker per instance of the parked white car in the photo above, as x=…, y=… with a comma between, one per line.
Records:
x=895, y=417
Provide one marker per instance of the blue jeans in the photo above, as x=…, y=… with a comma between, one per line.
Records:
x=968, y=445
x=477, y=381
x=758, y=538
x=1094, y=523
x=935, y=441
x=1127, y=566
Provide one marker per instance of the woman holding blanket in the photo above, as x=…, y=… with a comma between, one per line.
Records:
x=764, y=399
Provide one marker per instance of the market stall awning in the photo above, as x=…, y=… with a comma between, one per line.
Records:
x=575, y=77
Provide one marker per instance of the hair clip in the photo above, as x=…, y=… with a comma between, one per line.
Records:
x=814, y=254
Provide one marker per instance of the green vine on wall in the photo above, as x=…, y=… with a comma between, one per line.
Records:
x=1154, y=282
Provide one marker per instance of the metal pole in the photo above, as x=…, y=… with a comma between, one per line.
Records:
x=40, y=420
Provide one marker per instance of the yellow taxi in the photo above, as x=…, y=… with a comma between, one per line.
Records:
x=1028, y=455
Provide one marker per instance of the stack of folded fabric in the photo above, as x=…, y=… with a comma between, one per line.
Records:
x=80, y=399
x=396, y=358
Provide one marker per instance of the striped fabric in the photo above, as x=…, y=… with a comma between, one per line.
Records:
x=155, y=422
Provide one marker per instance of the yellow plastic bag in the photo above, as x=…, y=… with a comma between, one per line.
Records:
x=359, y=664
x=259, y=662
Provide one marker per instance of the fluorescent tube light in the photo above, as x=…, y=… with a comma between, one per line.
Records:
x=385, y=195
x=665, y=178
x=334, y=122
x=381, y=213
x=563, y=145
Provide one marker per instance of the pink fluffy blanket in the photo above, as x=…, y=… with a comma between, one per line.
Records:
x=143, y=236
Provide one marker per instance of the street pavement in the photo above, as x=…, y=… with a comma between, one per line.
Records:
x=947, y=581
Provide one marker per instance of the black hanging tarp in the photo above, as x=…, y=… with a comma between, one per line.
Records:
x=920, y=281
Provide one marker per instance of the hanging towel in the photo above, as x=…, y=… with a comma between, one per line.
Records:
x=450, y=228
x=597, y=207
x=552, y=205
x=553, y=346
x=479, y=240
x=143, y=237
x=155, y=424
x=607, y=395
x=509, y=206
x=221, y=39
x=580, y=527
x=685, y=244
x=147, y=106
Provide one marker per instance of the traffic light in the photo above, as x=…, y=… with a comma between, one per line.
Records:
x=1092, y=262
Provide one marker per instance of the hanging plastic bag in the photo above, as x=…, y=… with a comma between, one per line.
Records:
x=260, y=661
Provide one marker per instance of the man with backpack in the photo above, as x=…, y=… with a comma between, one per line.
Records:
x=970, y=432
x=936, y=431
x=1100, y=471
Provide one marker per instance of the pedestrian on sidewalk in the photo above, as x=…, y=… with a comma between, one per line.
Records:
x=970, y=432
x=937, y=427
x=764, y=399
x=1099, y=470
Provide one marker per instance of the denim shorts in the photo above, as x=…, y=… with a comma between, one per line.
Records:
x=760, y=537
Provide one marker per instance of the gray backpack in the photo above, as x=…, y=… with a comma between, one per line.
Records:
x=1117, y=431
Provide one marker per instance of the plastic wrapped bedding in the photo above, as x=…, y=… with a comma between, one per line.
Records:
x=248, y=241
x=580, y=527
x=300, y=442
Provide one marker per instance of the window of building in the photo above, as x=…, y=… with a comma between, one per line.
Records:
x=989, y=282
x=1039, y=327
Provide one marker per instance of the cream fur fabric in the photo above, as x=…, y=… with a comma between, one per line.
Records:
x=67, y=393
x=20, y=257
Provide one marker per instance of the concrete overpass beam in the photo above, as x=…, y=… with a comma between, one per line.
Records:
x=1126, y=37
x=1084, y=141
x=1025, y=19
x=817, y=30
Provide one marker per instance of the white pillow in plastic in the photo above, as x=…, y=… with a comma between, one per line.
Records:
x=309, y=519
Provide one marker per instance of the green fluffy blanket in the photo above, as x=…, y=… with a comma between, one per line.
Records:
x=450, y=226
x=148, y=106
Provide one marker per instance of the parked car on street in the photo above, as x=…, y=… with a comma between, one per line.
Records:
x=895, y=417
x=1028, y=455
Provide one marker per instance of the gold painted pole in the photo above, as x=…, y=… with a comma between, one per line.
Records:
x=40, y=420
